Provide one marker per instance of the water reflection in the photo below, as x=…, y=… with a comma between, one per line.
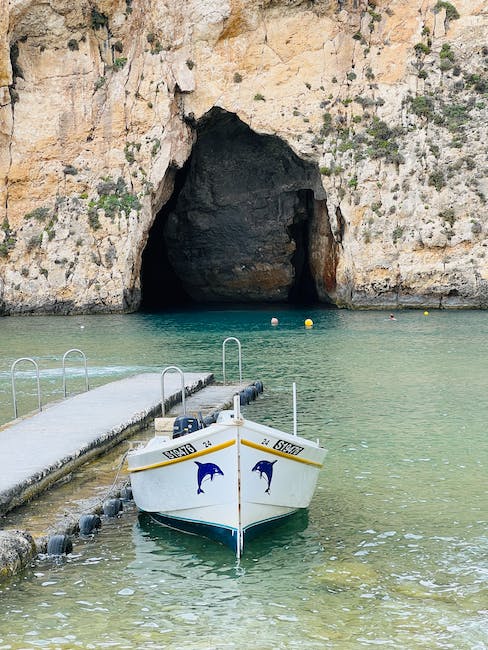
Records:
x=286, y=533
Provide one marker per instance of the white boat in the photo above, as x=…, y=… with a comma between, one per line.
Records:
x=226, y=481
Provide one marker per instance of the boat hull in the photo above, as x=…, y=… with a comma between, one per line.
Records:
x=227, y=482
x=227, y=536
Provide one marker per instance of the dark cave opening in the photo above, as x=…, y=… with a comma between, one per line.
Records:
x=161, y=287
x=237, y=226
x=304, y=290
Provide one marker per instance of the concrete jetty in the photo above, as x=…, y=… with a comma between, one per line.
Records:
x=38, y=450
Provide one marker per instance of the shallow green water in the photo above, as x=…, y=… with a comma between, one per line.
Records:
x=393, y=551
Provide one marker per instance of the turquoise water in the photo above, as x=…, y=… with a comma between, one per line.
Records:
x=393, y=551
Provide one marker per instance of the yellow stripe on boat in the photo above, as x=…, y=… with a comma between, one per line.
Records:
x=197, y=454
x=275, y=452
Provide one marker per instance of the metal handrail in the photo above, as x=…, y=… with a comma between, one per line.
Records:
x=12, y=373
x=87, y=387
x=163, y=410
x=232, y=338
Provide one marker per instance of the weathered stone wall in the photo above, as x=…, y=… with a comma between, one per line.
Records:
x=387, y=99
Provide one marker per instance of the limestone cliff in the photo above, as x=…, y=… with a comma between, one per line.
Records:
x=355, y=131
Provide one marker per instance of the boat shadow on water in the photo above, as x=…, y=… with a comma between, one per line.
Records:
x=285, y=533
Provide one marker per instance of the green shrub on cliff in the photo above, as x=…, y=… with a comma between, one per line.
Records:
x=445, y=65
x=34, y=242
x=422, y=106
x=437, y=179
x=156, y=146
x=451, y=11
x=119, y=63
x=327, y=126
x=478, y=82
x=39, y=214
x=93, y=219
x=421, y=48
x=446, y=52
x=113, y=203
x=382, y=142
x=455, y=116
x=10, y=240
x=397, y=233
x=113, y=198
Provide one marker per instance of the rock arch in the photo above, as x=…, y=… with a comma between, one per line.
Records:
x=247, y=222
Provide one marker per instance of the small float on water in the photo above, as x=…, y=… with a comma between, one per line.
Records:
x=228, y=480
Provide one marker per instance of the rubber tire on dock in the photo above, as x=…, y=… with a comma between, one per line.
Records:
x=254, y=391
x=243, y=398
x=89, y=523
x=251, y=395
x=126, y=493
x=112, y=507
x=259, y=386
x=59, y=545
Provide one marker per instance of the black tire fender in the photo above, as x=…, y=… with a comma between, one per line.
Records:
x=59, y=545
x=126, y=493
x=89, y=523
x=112, y=507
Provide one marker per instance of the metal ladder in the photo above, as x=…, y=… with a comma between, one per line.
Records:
x=239, y=351
x=66, y=354
x=36, y=367
x=12, y=374
x=183, y=390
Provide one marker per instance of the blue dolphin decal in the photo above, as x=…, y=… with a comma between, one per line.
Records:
x=265, y=467
x=204, y=470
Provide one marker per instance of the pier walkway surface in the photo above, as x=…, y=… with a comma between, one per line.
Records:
x=38, y=450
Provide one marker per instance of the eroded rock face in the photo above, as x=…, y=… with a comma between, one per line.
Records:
x=230, y=236
x=98, y=107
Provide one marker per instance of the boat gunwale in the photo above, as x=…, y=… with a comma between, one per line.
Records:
x=252, y=426
x=165, y=463
x=282, y=454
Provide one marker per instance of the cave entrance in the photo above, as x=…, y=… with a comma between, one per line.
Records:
x=161, y=286
x=303, y=291
x=237, y=228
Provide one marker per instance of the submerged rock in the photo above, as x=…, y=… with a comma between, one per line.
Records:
x=347, y=574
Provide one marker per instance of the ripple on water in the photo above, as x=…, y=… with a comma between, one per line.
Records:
x=392, y=551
